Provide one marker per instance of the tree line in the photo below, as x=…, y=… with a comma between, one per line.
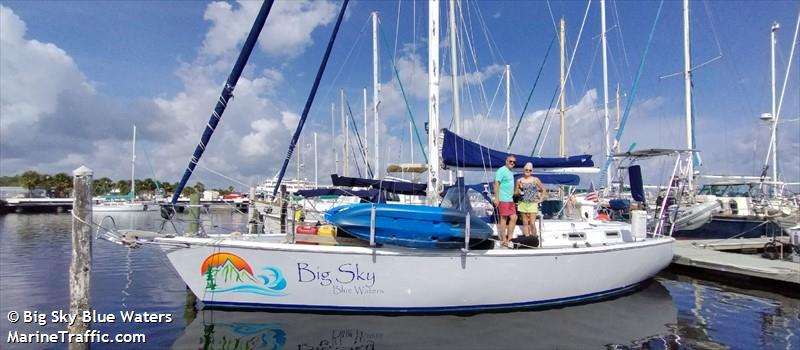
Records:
x=60, y=185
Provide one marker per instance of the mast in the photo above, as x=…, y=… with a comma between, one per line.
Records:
x=366, y=153
x=508, y=105
x=454, y=68
x=434, y=182
x=333, y=136
x=616, y=144
x=411, y=140
x=774, y=146
x=346, y=155
x=299, y=153
x=687, y=87
x=133, y=165
x=605, y=83
x=316, y=163
x=562, y=149
x=376, y=93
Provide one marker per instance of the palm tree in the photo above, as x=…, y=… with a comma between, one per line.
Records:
x=124, y=187
x=147, y=185
x=30, y=179
x=102, y=186
x=168, y=188
x=199, y=187
x=62, y=184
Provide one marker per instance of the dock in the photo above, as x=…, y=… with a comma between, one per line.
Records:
x=35, y=205
x=711, y=256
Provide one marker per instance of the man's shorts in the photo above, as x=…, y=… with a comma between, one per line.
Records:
x=507, y=209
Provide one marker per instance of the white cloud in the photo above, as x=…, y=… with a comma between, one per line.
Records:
x=289, y=120
x=34, y=74
x=255, y=144
x=287, y=31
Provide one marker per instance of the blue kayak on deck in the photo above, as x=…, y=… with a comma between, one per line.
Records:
x=414, y=226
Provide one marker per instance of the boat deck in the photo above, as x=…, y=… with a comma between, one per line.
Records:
x=709, y=255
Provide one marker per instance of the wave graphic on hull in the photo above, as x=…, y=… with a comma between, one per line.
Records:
x=246, y=288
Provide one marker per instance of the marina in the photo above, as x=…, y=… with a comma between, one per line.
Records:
x=675, y=226
x=711, y=256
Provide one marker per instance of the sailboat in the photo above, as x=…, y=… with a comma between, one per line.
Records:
x=677, y=198
x=742, y=206
x=131, y=205
x=582, y=261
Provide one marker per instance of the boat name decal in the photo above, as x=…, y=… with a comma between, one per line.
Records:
x=347, y=278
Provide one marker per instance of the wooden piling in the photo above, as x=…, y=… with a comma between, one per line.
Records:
x=252, y=212
x=80, y=269
x=283, y=201
x=194, y=213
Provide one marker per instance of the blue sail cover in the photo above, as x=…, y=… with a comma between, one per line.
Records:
x=462, y=153
x=370, y=195
x=388, y=186
x=548, y=179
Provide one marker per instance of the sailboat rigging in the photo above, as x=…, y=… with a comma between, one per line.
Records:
x=419, y=258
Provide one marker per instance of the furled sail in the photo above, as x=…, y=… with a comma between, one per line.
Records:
x=462, y=153
x=388, y=186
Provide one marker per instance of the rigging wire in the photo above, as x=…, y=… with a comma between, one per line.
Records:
x=470, y=44
x=358, y=138
x=405, y=99
x=634, y=89
x=546, y=116
x=396, y=30
x=346, y=59
x=536, y=81
x=311, y=96
x=621, y=37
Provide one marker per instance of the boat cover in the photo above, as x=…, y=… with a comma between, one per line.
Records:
x=549, y=179
x=462, y=153
x=371, y=195
x=388, y=186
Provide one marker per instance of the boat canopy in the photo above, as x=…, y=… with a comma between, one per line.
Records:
x=371, y=195
x=650, y=152
x=398, y=187
x=462, y=153
x=548, y=179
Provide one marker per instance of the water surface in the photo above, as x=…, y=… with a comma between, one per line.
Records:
x=672, y=311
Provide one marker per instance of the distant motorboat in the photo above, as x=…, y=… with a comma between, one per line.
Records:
x=115, y=207
x=744, y=211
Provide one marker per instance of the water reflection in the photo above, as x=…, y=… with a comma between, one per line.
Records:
x=713, y=316
x=645, y=316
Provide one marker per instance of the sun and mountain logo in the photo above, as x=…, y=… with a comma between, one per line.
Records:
x=226, y=272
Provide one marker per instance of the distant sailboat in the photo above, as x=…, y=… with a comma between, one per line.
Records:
x=132, y=205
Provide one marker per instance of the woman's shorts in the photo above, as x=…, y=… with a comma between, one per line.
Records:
x=507, y=209
x=528, y=207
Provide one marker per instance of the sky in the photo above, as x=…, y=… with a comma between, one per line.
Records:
x=75, y=76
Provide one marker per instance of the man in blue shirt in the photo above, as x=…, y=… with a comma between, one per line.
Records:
x=504, y=200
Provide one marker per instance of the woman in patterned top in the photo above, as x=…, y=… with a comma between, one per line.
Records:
x=532, y=191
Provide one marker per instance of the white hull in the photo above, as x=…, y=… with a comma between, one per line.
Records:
x=699, y=214
x=342, y=278
x=123, y=207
